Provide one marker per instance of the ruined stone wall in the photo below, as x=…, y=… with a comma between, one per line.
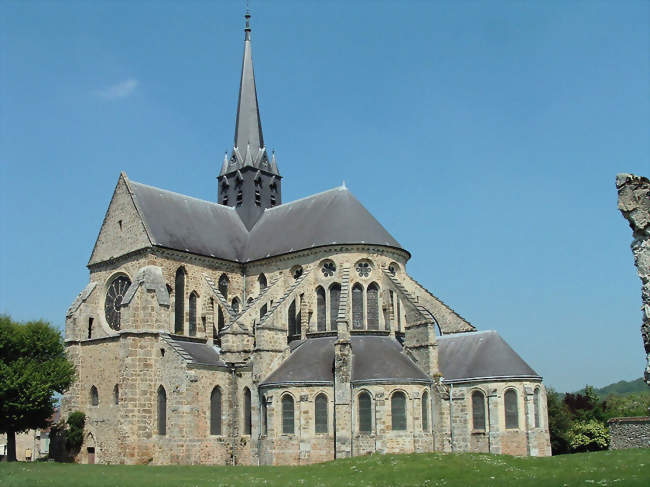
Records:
x=629, y=433
x=634, y=204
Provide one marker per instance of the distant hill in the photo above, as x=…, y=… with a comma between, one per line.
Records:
x=621, y=388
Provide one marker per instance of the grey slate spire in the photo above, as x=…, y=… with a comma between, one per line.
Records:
x=248, y=180
x=248, y=129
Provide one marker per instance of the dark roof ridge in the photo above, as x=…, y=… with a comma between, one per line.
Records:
x=176, y=193
x=304, y=198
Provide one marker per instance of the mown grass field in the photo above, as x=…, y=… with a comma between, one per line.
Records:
x=617, y=468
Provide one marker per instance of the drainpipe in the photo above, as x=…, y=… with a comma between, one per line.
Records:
x=451, y=415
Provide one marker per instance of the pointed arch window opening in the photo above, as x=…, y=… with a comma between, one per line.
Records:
x=398, y=411
x=425, y=411
x=162, y=411
x=511, y=409
x=287, y=415
x=335, y=300
x=365, y=412
x=224, y=282
x=357, y=307
x=478, y=411
x=248, y=419
x=372, y=307
x=321, y=308
x=321, y=414
x=215, y=411
x=192, y=314
x=179, y=301
x=235, y=305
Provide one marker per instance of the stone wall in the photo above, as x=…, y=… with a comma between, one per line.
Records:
x=634, y=204
x=629, y=433
x=455, y=416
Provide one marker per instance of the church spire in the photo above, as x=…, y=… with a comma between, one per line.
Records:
x=248, y=128
x=248, y=180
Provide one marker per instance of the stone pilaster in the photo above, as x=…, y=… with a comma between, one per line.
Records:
x=493, y=419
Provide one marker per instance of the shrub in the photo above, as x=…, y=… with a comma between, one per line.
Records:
x=589, y=435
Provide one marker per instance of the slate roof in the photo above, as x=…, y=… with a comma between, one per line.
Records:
x=201, y=227
x=197, y=353
x=462, y=357
x=374, y=359
x=480, y=355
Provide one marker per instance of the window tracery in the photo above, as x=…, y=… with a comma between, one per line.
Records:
x=114, y=295
x=363, y=268
x=328, y=269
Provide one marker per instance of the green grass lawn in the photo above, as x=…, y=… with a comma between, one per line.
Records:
x=622, y=467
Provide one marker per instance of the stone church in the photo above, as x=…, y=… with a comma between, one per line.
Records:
x=258, y=332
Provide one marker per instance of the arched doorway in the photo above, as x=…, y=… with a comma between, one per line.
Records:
x=90, y=449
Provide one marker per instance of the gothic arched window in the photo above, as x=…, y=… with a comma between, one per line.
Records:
x=263, y=310
x=179, y=301
x=294, y=325
x=215, y=411
x=321, y=324
x=94, y=396
x=116, y=394
x=512, y=411
x=335, y=299
x=357, y=306
x=235, y=305
x=247, y=411
x=221, y=322
x=287, y=415
x=261, y=281
x=365, y=412
x=223, y=286
x=478, y=411
x=425, y=411
x=398, y=411
x=320, y=413
x=162, y=411
x=372, y=298
x=536, y=407
x=192, y=314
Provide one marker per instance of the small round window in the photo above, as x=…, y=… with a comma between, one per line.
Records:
x=328, y=269
x=363, y=268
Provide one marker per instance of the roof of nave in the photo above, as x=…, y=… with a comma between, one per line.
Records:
x=202, y=227
x=481, y=355
x=374, y=359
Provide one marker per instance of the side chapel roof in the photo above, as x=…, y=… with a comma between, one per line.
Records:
x=374, y=359
x=202, y=227
x=480, y=355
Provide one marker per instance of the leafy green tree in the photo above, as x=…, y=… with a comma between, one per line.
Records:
x=33, y=367
x=559, y=421
x=589, y=435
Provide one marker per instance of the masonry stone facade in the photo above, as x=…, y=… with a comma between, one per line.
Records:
x=255, y=332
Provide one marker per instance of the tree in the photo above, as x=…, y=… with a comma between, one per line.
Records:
x=559, y=421
x=33, y=367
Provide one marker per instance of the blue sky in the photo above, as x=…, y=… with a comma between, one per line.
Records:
x=485, y=136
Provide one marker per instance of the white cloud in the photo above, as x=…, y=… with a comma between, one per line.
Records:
x=119, y=90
